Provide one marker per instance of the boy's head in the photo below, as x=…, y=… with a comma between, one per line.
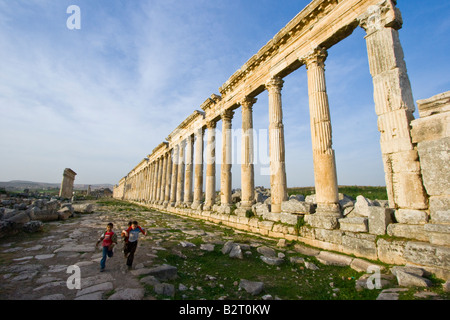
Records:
x=109, y=226
x=134, y=224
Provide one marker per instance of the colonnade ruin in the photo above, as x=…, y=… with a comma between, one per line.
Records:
x=179, y=175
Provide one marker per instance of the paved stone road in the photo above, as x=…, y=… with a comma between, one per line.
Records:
x=39, y=266
x=36, y=266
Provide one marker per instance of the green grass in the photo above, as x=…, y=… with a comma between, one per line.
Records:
x=370, y=192
x=212, y=275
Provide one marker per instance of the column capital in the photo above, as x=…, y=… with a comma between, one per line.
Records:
x=275, y=84
x=381, y=15
x=248, y=102
x=211, y=124
x=316, y=57
x=227, y=115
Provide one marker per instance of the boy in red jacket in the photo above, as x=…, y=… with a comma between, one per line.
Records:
x=108, y=239
x=130, y=247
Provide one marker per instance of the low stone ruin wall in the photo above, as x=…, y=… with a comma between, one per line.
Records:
x=368, y=229
x=24, y=214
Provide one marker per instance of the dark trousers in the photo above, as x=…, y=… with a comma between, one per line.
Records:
x=130, y=249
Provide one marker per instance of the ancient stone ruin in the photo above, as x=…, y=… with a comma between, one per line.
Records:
x=413, y=227
x=66, y=189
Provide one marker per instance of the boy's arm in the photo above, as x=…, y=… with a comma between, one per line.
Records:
x=114, y=238
x=101, y=239
x=143, y=231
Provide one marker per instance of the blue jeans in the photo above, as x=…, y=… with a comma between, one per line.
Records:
x=108, y=253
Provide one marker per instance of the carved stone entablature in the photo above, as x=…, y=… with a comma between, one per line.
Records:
x=187, y=126
x=210, y=102
x=381, y=15
x=305, y=20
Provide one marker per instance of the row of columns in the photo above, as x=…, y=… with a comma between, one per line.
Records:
x=171, y=182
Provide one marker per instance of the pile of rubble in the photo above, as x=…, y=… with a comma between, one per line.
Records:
x=28, y=214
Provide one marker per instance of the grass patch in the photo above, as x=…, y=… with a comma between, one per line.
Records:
x=370, y=192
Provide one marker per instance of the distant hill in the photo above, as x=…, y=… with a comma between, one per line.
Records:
x=21, y=185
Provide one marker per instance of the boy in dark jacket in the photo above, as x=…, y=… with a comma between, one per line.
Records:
x=133, y=236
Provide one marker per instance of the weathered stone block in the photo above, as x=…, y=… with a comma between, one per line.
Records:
x=409, y=231
x=307, y=251
x=295, y=206
x=290, y=218
x=329, y=258
x=439, y=233
x=423, y=253
x=391, y=252
x=410, y=216
x=363, y=266
x=332, y=236
x=359, y=247
x=434, y=161
x=440, y=209
x=379, y=219
x=406, y=279
x=322, y=221
x=356, y=224
x=19, y=218
x=272, y=216
x=437, y=104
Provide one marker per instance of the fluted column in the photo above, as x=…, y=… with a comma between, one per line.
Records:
x=198, y=167
x=147, y=185
x=210, y=181
x=152, y=180
x=168, y=174
x=189, y=171
x=181, y=170
x=325, y=177
x=247, y=167
x=155, y=182
x=173, y=187
x=225, y=176
x=278, y=187
x=163, y=179
x=394, y=105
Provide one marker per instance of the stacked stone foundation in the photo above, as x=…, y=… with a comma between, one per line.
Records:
x=413, y=249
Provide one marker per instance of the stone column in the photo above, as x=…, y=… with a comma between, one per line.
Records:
x=189, y=172
x=198, y=164
x=247, y=167
x=147, y=182
x=173, y=187
x=163, y=179
x=225, y=176
x=394, y=105
x=181, y=169
x=210, y=187
x=152, y=179
x=168, y=174
x=66, y=190
x=158, y=182
x=325, y=177
x=276, y=145
x=155, y=182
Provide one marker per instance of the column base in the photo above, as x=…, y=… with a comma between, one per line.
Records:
x=329, y=209
x=247, y=205
x=275, y=208
x=196, y=205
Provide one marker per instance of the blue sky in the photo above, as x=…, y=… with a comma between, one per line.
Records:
x=99, y=99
